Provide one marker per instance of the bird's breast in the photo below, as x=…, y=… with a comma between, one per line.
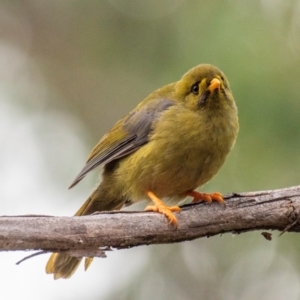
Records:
x=184, y=152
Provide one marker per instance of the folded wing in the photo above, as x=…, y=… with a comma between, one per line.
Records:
x=128, y=135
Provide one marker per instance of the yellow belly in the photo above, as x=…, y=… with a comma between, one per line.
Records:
x=178, y=157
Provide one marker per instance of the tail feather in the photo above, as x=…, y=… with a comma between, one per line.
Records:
x=62, y=265
x=87, y=262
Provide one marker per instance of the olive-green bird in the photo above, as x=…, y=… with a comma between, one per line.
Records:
x=173, y=142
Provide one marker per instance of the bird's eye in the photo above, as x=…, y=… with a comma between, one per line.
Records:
x=195, y=88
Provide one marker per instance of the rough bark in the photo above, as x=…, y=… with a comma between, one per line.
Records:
x=95, y=234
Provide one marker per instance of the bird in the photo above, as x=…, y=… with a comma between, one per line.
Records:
x=172, y=143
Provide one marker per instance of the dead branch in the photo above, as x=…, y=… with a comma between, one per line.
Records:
x=95, y=234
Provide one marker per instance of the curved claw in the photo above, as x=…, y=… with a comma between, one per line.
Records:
x=197, y=196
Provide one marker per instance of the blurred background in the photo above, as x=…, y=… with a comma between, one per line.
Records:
x=70, y=69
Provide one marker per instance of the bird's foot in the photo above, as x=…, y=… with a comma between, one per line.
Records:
x=197, y=196
x=162, y=208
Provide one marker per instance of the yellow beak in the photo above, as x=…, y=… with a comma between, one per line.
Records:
x=214, y=84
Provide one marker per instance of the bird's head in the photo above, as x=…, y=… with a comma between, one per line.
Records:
x=205, y=88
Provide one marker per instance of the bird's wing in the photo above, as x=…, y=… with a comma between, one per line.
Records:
x=127, y=136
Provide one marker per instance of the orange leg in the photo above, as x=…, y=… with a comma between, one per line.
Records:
x=206, y=197
x=162, y=208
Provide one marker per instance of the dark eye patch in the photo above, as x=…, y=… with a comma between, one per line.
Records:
x=203, y=98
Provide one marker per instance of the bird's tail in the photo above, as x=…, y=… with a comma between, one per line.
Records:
x=63, y=265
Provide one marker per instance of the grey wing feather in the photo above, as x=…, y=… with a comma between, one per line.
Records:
x=114, y=153
x=138, y=125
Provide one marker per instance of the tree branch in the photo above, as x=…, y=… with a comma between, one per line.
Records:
x=95, y=234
